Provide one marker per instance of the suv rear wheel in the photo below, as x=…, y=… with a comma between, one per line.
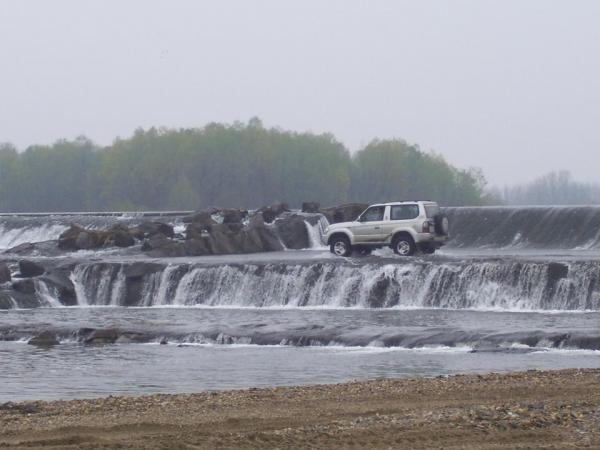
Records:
x=403, y=245
x=340, y=246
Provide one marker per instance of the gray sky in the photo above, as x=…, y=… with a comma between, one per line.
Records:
x=510, y=86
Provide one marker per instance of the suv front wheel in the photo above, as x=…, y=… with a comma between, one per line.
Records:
x=340, y=246
x=403, y=245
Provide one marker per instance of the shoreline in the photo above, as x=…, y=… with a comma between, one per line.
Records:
x=536, y=409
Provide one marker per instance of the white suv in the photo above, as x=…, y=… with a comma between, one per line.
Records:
x=404, y=226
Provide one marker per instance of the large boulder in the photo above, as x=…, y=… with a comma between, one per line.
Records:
x=311, y=207
x=203, y=217
x=148, y=229
x=5, y=276
x=60, y=284
x=102, y=336
x=44, y=339
x=344, y=213
x=293, y=232
x=160, y=246
x=68, y=238
x=197, y=247
x=29, y=268
x=10, y=299
x=221, y=241
x=270, y=213
x=79, y=238
x=196, y=230
x=121, y=238
x=234, y=216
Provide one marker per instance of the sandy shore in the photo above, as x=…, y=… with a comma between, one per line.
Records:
x=558, y=409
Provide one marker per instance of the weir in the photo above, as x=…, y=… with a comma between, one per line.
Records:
x=471, y=284
x=543, y=283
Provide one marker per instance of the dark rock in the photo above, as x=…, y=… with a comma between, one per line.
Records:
x=344, y=213
x=10, y=299
x=270, y=240
x=270, y=213
x=221, y=242
x=122, y=238
x=197, y=230
x=130, y=337
x=311, y=207
x=149, y=229
x=203, y=217
x=59, y=282
x=234, y=216
x=26, y=286
x=86, y=241
x=160, y=246
x=29, y=268
x=197, y=247
x=44, y=339
x=102, y=336
x=5, y=276
x=45, y=248
x=292, y=231
x=68, y=238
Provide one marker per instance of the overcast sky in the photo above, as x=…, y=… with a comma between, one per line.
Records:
x=512, y=87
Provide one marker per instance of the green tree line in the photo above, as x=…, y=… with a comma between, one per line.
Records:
x=235, y=165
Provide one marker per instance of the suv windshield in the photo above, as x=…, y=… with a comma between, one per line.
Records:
x=404, y=212
x=373, y=214
x=432, y=210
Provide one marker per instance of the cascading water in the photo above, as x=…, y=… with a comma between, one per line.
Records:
x=576, y=227
x=12, y=237
x=514, y=285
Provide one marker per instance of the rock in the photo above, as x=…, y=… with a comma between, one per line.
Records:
x=269, y=239
x=234, y=216
x=197, y=247
x=44, y=339
x=122, y=239
x=203, y=217
x=68, y=238
x=130, y=337
x=221, y=242
x=292, y=231
x=311, y=207
x=45, y=248
x=344, y=213
x=60, y=283
x=149, y=229
x=197, y=230
x=160, y=246
x=10, y=299
x=5, y=276
x=26, y=286
x=30, y=269
x=102, y=336
x=79, y=238
x=270, y=213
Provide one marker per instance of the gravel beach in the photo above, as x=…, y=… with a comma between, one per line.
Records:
x=534, y=409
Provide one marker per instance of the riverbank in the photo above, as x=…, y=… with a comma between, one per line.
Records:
x=557, y=409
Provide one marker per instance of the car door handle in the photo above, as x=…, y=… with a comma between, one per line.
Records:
x=376, y=228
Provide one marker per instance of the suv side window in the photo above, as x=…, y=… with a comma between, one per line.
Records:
x=405, y=212
x=432, y=210
x=373, y=214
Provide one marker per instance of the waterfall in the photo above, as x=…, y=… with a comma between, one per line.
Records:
x=502, y=285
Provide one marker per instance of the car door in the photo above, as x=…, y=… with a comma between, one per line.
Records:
x=370, y=225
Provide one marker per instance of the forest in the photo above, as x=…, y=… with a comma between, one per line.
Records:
x=237, y=165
